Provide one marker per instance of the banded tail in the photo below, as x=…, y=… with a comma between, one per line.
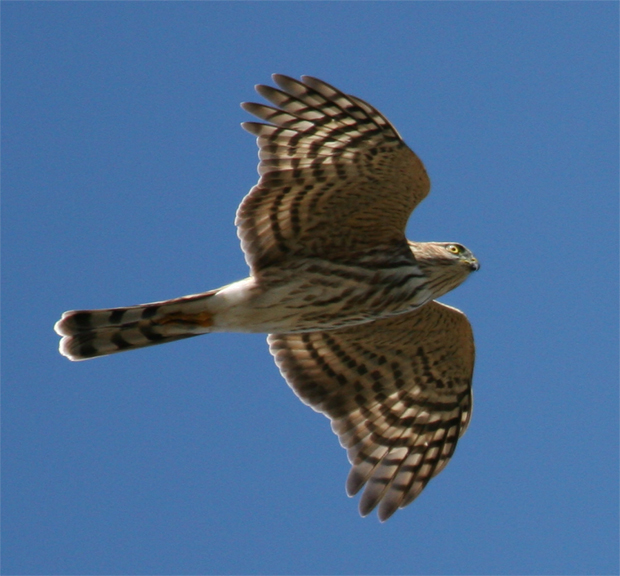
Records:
x=91, y=333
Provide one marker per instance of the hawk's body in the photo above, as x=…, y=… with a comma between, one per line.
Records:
x=347, y=300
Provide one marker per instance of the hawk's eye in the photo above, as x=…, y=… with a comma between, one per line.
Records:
x=454, y=249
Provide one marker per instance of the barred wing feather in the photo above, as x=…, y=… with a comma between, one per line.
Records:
x=335, y=176
x=398, y=394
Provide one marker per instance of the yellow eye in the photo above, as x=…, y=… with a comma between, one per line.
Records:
x=454, y=249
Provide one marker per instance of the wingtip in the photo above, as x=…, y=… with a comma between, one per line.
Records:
x=284, y=81
x=306, y=77
x=355, y=482
x=253, y=127
x=249, y=107
x=386, y=510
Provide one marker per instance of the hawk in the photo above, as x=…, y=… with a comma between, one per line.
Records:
x=348, y=302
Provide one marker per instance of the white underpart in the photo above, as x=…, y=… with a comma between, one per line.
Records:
x=304, y=298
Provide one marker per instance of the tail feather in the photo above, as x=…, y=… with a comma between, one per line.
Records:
x=92, y=333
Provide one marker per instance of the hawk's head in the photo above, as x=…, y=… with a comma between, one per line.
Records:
x=446, y=264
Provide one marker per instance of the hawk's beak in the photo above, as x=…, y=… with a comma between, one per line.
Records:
x=475, y=265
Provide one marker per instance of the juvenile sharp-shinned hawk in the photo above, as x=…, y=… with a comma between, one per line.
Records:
x=347, y=300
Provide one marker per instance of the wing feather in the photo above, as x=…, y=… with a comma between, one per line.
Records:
x=398, y=393
x=335, y=176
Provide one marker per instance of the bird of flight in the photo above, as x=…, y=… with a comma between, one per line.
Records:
x=348, y=302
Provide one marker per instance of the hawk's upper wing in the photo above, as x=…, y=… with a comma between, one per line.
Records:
x=335, y=176
x=398, y=393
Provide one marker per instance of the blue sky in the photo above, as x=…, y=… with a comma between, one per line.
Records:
x=122, y=166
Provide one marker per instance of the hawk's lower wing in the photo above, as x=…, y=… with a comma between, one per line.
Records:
x=398, y=393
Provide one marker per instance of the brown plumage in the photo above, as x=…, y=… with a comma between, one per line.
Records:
x=347, y=300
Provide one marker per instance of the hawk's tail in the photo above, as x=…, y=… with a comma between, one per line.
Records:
x=91, y=333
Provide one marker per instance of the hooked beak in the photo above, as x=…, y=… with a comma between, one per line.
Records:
x=475, y=265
